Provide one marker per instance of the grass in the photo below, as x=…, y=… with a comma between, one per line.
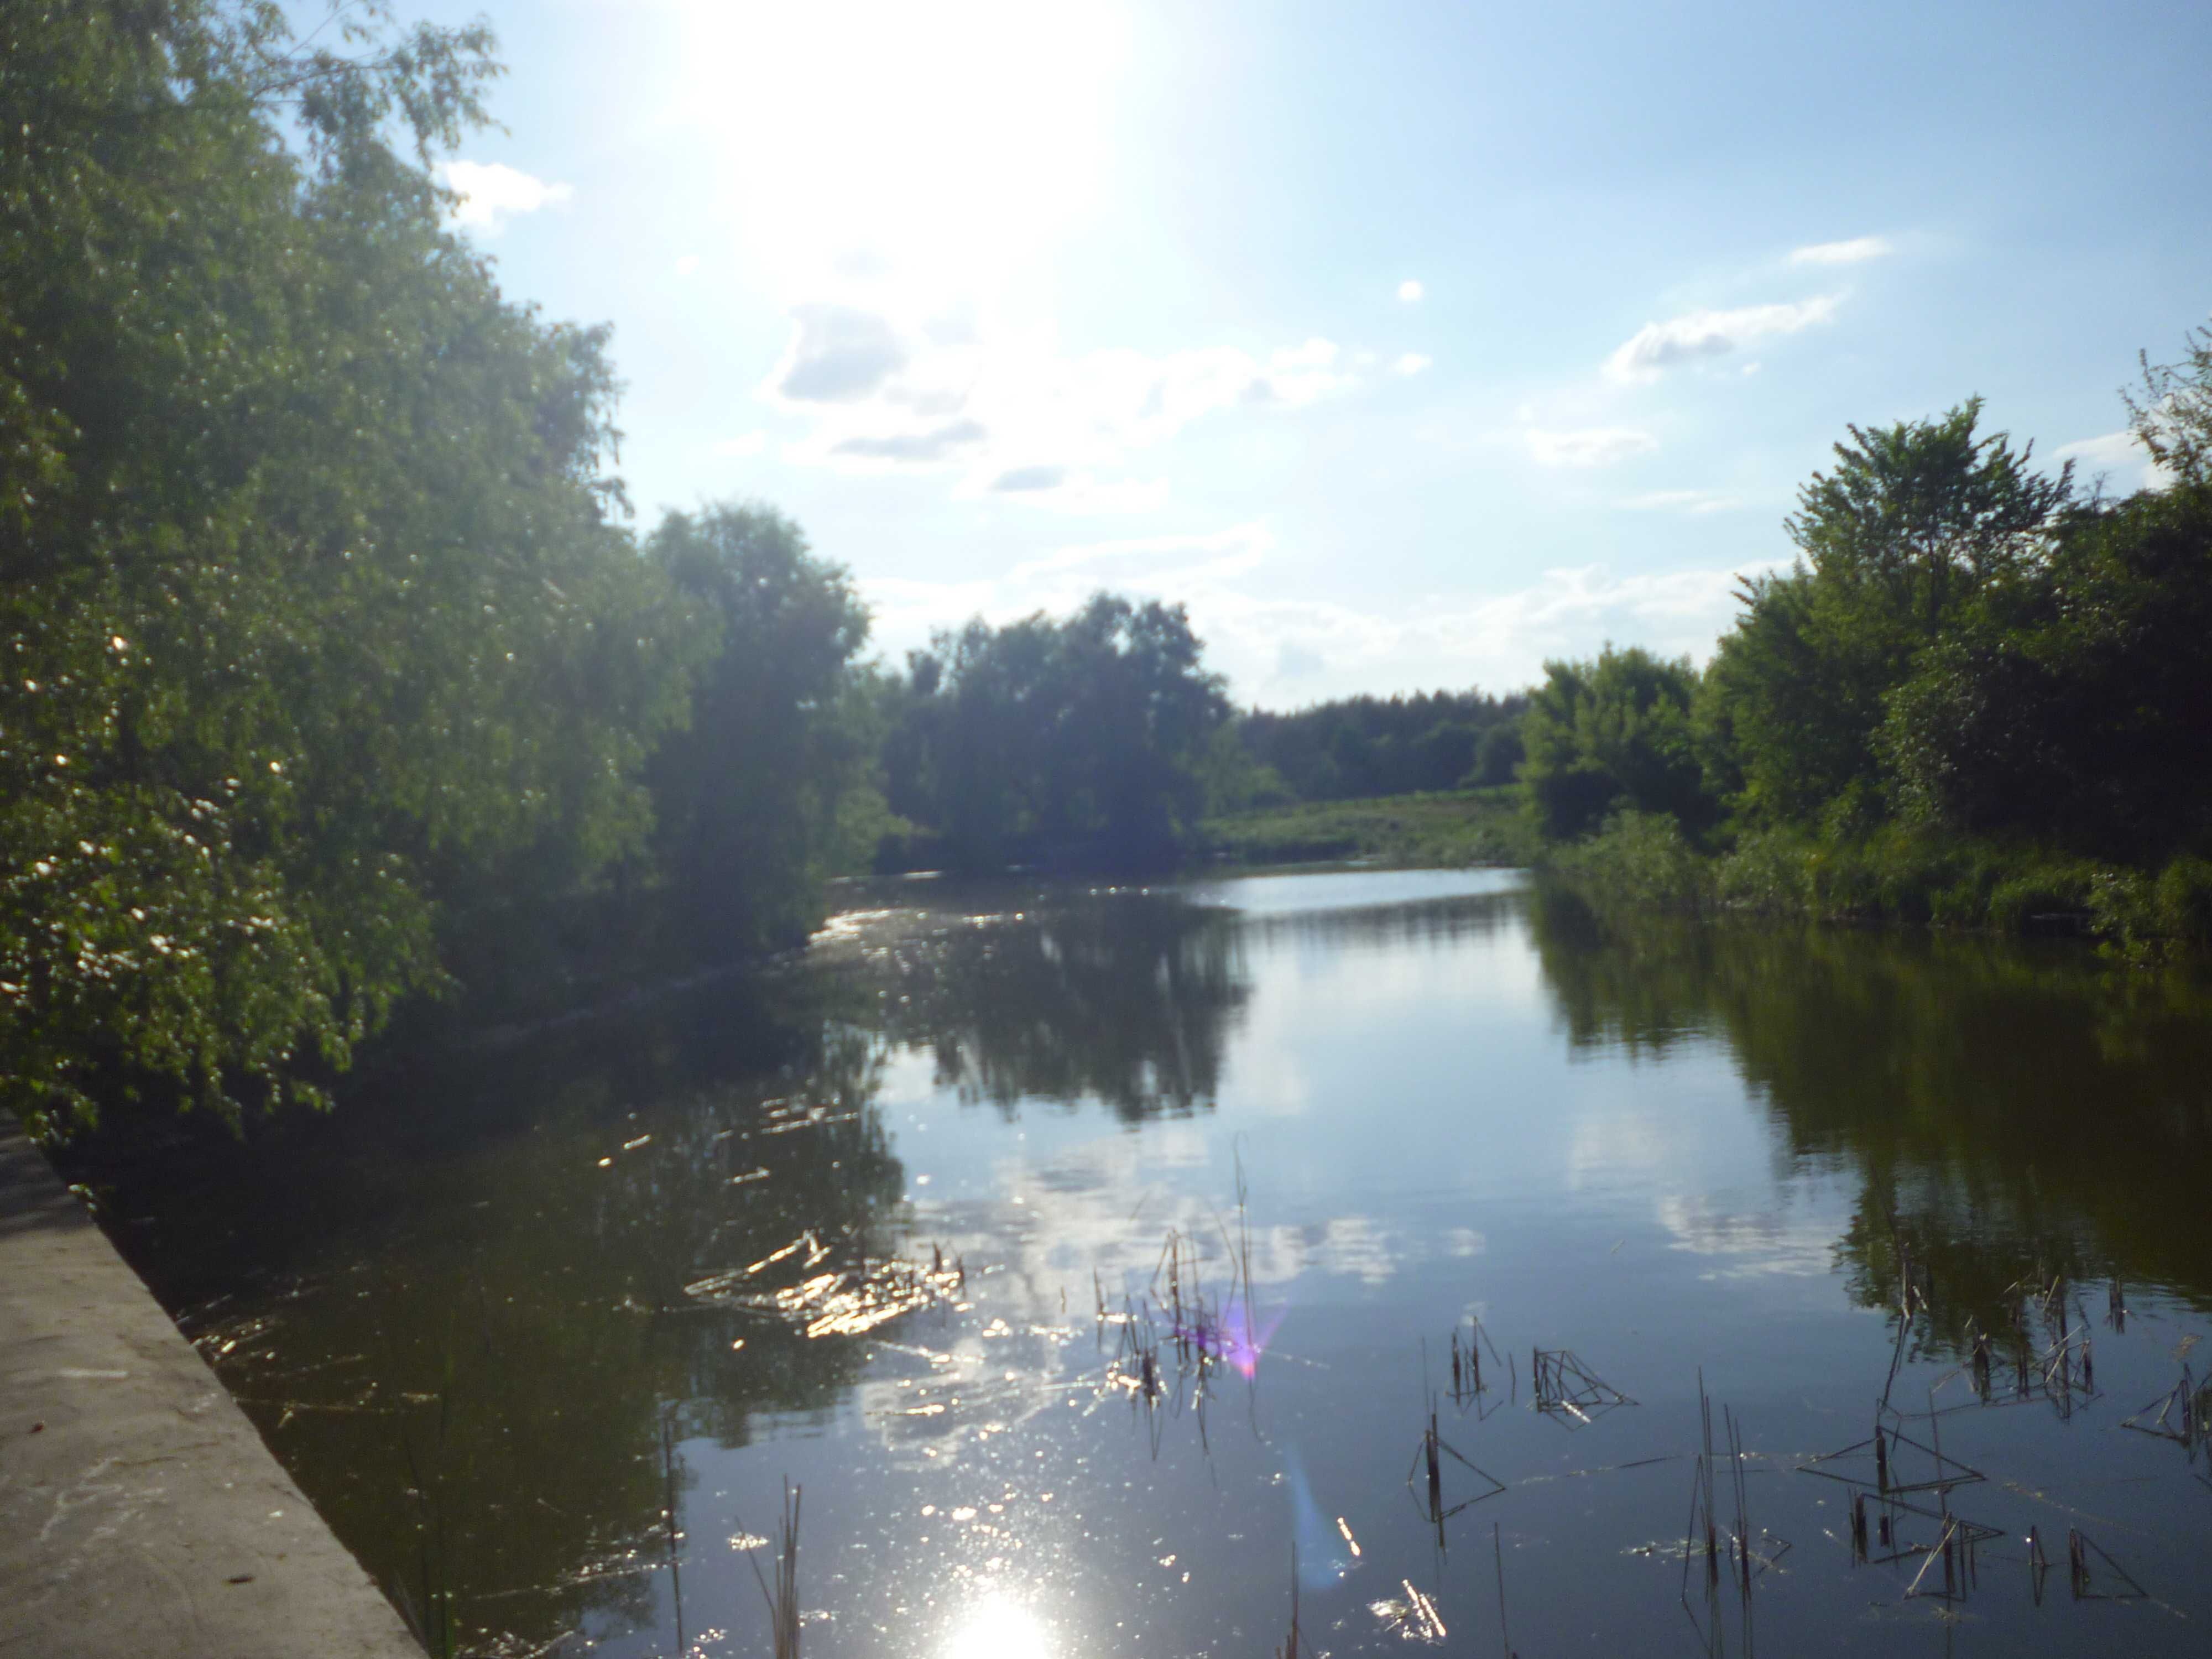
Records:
x=1448, y=829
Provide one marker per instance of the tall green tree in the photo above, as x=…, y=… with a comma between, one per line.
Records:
x=760, y=796
x=1915, y=521
x=2077, y=708
x=1087, y=739
x=2074, y=705
x=311, y=610
x=1611, y=734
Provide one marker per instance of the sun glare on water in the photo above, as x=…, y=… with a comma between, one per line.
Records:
x=997, y=1627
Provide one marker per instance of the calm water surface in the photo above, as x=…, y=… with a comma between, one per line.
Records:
x=502, y=1315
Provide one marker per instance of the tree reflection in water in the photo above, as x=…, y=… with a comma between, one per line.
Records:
x=2011, y=1114
x=469, y=1322
x=1124, y=998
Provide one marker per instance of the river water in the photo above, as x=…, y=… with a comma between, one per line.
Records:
x=1100, y=1263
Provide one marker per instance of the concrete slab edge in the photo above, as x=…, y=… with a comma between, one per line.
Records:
x=141, y=1514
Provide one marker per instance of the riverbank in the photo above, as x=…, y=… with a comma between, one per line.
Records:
x=1447, y=830
x=140, y=1514
x=1897, y=875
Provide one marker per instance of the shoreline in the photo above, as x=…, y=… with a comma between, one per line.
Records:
x=141, y=1514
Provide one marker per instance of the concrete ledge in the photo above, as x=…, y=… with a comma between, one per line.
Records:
x=140, y=1514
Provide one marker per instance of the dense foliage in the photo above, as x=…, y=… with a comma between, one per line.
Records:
x=1610, y=734
x=331, y=667
x=1361, y=746
x=774, y=773
x=1917, y=522
x=1979, y=696
x=1076, y=741
x=311, y=606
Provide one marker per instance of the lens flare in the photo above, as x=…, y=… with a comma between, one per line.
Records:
x=1241, y=1341
x=1322, y=1560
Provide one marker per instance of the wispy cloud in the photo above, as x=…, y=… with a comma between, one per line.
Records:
x=1594, y=445
x=1410, y=291
x=1412, y=363
x=1277, y=648
x=492, y=192
x=1658, y=347
x=922, y=448
x=2117, y=457
x=1854, y=252
x=1233, y=551
x=1696, y=502
x=1014, y=418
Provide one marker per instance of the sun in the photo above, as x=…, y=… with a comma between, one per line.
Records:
x=938, y=138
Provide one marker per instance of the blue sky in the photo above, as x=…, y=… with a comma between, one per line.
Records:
x=1408, y=345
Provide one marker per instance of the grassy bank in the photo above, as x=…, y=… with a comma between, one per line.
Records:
x=1458, y=827
x=1897, y=874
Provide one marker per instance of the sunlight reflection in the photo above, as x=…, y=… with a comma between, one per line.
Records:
x=997, y=1627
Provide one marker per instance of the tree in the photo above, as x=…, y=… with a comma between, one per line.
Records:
x=1613, y=733
x=310, y=605
x=1916, y=520
x=1368, y=746
x=1499, y=756
x=2077, y=709
x=1088, y=739
x=755, y=796
x=2172, y=416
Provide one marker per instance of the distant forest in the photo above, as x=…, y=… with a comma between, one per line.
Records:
x=340, y=686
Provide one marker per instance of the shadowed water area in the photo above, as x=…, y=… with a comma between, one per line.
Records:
x=1084, y=1255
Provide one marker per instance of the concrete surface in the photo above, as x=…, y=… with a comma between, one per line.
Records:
x=140, y=1514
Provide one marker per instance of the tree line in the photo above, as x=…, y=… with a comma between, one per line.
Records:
x=1981, y=694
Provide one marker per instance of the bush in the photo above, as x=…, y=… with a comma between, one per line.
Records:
x=1769, y=871
x=1639, y=858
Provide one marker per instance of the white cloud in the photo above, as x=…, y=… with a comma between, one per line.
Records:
x=492, y=192
x=1066, y=489
x=688, y=264
x=1412, y=363
x=1014, y=417
x=1278, y=649
x=1300, y=375
x=1859, y=248
x=1656, y=347
x=2117, y=457
x=745, y=443
x=1697, y=501
x=1410, y=291
x=1235, y=552
x=1594, y=445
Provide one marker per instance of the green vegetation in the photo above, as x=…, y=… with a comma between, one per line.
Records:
x=1359, y=747
x=329, y=661
x=1980, y=698
x=1459, y=827
x=1082, y=742
x=775, y=770
x=1608, y=736
x=334, y=677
